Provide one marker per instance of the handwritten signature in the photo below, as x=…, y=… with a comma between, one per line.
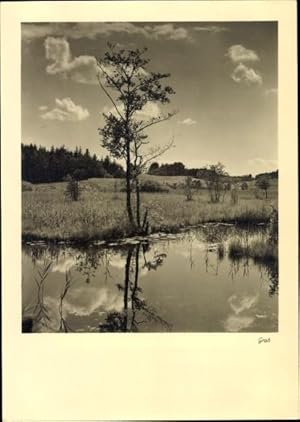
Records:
x=264, y=340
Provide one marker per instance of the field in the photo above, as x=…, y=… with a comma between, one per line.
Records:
x=100, y=212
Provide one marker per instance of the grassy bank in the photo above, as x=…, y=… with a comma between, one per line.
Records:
x=100, y=212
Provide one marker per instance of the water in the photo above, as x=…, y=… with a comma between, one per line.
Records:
x=181, y=283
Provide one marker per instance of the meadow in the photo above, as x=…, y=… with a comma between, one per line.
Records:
x=100, y=212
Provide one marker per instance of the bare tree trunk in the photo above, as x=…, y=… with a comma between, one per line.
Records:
x=135, y=286
x=138, y=203
x=126, y=288
x=128, y=187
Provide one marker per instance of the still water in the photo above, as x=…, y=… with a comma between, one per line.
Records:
x=166, y=283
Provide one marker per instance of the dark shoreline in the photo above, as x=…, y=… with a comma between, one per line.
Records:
x=163, y=231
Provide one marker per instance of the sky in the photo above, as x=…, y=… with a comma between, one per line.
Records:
x=224, y=75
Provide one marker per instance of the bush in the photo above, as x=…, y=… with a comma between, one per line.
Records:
x=152, y=186
x=72, y=190
x=188, y=188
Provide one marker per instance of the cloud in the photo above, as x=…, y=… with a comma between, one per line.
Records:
x=83, y=302
x=246, y=75
x=261, y=165
x=81, y=69
x=239, y=54
x=63, y=264
x=168, y=31
x=188, y=122
x=235, y=323
x=240, y=304
x=66, y=110
x=211, y=28
x=149, y=111
x=271, y=91
x=92, y=30
x=43, y=107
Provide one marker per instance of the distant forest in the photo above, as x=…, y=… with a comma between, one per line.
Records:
x=178, y=169
x=40, y=165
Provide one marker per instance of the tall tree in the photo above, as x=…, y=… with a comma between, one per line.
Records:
x=125, y=80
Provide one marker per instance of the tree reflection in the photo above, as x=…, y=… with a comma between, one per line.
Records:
x=87, y=262
x=271, y=269
x=42, y=316
x=41, y=311
x=135, y=311
x=63, y=325
x=39, y=252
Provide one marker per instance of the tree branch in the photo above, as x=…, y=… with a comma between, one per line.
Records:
x=110, y=97
x=155, y=121
x=158, y=152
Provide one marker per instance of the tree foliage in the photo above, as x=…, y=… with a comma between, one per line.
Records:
x=215, y=181
x=129, y=85
x=40, y=165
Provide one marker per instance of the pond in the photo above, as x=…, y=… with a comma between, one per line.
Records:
x=163, y=283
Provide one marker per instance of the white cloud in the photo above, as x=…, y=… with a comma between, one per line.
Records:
x=246, y=75
x=188, y=122
x=271, y=91
x=211, y=28
x=83, y=302
x=239, y=53
x=43, y=108
x=151, y=110
x=240, y=304
x=63, y=264
x=235, y=323
x=66, y=110
x=168, y=31
x=93, y=30
x=261, y=165
x=81, y=69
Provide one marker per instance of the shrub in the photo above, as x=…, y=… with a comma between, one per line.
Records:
x=72, y=190
x=188, y=188
x=152, y=186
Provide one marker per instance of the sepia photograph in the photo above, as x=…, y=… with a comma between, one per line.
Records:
x=149, y=177
x=149, y=187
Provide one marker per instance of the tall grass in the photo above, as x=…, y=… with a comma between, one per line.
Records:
x=99, y=214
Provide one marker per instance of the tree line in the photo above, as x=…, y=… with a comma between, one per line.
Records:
x=40, y=165
x=179, y=169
